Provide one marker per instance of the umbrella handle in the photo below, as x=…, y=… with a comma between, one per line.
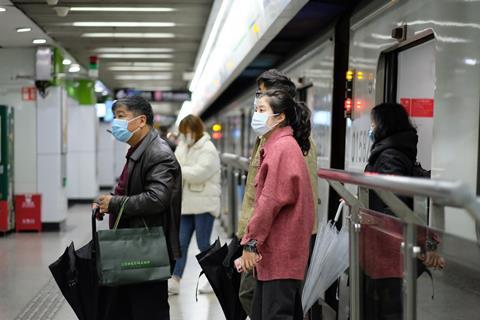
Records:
x=339, y=211
x=95, y=211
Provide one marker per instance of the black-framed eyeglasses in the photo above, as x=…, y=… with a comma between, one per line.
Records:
x=258, y=93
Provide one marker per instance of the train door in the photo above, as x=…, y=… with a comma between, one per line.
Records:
x=415, y=91
x=409, y=79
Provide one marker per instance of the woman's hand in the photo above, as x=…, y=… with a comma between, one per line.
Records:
x=433, y=260
x=249, y=260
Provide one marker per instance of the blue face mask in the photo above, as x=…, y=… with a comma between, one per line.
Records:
x=371, y=134
x=120, y=129
x=259, y=123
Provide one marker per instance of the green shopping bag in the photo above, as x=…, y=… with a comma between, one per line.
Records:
x=131, y=255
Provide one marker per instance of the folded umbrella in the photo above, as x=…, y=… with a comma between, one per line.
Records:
x=75, y=273
x=217, y=265
x=76, y=277
x=329, y=260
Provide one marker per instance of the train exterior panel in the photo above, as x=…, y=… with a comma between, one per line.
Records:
x=438, y=75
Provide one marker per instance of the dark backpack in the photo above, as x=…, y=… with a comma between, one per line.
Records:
x=419, y=172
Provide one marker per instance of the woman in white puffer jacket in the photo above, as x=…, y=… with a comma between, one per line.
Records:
x=200, y=164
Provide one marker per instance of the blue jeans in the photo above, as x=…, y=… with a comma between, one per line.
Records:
x=202, y=224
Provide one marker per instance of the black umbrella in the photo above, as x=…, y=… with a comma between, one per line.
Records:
x=217, y=264
x=76, y=277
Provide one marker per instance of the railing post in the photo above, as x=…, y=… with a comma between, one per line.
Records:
x=437, y=218
x=238, y=201
x=363, y=196
x=354, y=270
x=410, y=251
x=231, y=196
x=354, y=239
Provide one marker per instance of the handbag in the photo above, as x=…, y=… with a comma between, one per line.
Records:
x=130, y=255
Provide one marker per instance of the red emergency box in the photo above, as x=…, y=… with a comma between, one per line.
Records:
x=28, y=213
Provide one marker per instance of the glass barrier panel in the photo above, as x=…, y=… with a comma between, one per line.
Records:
x=453, y=291
x=381, y=265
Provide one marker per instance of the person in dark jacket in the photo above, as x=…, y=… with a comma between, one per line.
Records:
x=394, y=152
x=152, y=181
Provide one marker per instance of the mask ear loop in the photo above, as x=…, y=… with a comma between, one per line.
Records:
x=276, y=124
x=133, y=132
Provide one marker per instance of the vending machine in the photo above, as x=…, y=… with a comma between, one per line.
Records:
x=7, y=214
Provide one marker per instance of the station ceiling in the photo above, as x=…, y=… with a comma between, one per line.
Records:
x=147, y=46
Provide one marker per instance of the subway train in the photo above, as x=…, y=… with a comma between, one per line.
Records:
x=424, y=54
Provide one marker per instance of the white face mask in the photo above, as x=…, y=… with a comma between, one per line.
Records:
x=259, y=123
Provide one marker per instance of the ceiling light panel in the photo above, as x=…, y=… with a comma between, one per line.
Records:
x=136, y=68
x=143, y=77
x=39, y=41
x=134, y=56
x=122, y=9
x=74, y=68
x=127, y=35
x=123, y=24
x=24, y=29
x=134, y=50
x=142, y=64
x=3, y=9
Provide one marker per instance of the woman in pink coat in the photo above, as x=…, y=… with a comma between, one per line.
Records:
x=276, y=243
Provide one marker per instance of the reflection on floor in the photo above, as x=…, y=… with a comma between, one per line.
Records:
x=27, y=292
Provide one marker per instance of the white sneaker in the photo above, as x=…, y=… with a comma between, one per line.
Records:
x=205, y=288
x=173, y=286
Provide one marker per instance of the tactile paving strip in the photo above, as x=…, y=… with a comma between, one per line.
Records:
x=45, y=305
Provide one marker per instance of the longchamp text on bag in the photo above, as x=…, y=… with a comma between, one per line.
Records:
x=131, y=255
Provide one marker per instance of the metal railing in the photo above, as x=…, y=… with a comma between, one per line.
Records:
x=234, y=172
x=442, y=194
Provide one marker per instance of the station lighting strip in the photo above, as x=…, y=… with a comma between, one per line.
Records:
x=134, y=56
x=121, y=24
x=127, y=35
x=138, y=68
x=133, y=50
x=122, y=9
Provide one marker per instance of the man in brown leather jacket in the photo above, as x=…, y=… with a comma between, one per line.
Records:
x=152, y=181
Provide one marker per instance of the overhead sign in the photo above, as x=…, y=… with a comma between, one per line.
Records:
x=155, y=96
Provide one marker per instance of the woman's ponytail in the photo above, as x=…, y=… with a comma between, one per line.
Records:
x=297, y=116
x=301, y=126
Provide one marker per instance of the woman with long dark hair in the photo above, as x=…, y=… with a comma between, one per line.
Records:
x=394, y=152
x=276, y=242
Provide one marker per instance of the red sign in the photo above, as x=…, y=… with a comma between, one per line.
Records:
x=418, y=108
x=29, y=93
x=28, y=212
